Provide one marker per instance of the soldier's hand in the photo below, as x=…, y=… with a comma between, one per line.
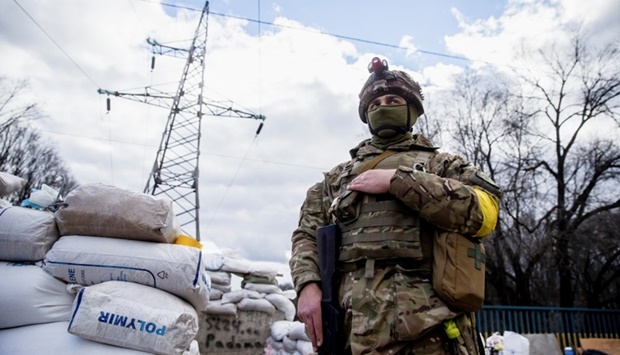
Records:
x=374, y=181
x=309, y=312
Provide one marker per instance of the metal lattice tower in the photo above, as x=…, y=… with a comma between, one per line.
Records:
x=175, y=173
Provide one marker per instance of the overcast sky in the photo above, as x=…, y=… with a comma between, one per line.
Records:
x=299, y=63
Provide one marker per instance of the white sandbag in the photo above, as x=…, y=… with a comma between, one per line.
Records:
x=515, y=344
x=290, y=294
x=193, y=349
x=30, y=295
x=264, y=269
x=10, y=183
x=305, y=347
x=26, y=234
x=290, y=345
x=276, y=345
x=213, y=261
x=108, y=211
x=282, y=304
x=236, y=265
x=260, y=305
x=222, y=288
x=219, y=277
x=280, y=328
x=134, y=316
x=216, y=308
x=215, y=294
x=262, y=288
x=298, y=331
x=87, y=260
x=53, y=338
x=237, y=295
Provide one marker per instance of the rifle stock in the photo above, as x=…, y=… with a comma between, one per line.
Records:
x=328, y=242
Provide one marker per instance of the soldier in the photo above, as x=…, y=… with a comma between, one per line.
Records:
x=389, y=200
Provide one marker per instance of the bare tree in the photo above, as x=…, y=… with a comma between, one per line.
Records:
x=22, y=150
x=576, y=94
x=540, y=138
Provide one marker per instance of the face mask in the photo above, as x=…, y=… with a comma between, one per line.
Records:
x=390, y=121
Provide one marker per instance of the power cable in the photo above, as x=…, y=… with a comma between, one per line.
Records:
x=355, y=39
x=56, y=44
x=232, y=180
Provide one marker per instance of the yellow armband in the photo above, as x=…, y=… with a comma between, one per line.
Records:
x=490, y=212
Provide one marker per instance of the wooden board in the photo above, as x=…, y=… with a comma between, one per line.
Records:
x=609, y=346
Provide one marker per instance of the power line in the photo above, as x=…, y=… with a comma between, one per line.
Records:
x=355, y=39
x=56, y=44
x=223, y=156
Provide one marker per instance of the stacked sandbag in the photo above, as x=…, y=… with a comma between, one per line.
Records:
x=288, y=337
x=221, y=283
x=101, y=236
x=142, y=281
x=29, y=295
x=270, y=291
x=259, y=288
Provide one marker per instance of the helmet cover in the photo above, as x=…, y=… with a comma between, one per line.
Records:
x=383, y=81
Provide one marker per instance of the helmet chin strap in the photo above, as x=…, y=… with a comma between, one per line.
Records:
x=397, y=130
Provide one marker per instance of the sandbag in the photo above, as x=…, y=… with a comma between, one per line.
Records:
x=216, y=308
x=134, y=316
x=10, y=183
x=53, y=338
x=108, y=211
x=26, y=234
x=31, y=296
x=282, y=304
x=88, y=260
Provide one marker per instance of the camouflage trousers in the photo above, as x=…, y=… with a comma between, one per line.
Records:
x=396, y=311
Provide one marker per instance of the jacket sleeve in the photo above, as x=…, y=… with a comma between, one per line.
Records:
x=452, y=194
x=304, y=262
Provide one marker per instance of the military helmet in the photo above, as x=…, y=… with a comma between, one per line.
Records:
x=384, y=81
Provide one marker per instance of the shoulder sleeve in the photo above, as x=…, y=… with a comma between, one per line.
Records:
x=304, y=258
x=450, y=195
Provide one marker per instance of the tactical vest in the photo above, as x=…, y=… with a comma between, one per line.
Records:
x=382, y=227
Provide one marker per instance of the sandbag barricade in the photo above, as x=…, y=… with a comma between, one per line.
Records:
x=87, y=260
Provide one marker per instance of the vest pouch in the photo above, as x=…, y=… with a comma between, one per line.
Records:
x=459, y=270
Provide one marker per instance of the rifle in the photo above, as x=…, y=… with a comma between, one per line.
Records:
x=328, y=242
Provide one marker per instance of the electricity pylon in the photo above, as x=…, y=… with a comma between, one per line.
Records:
x=175, y=171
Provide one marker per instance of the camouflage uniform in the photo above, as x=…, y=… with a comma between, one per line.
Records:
x=385, y=288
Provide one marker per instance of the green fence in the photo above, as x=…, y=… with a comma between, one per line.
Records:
x=568, y=324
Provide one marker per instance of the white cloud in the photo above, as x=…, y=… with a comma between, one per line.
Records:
x=530, y=24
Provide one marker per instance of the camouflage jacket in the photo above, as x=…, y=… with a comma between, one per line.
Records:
x=451, y=194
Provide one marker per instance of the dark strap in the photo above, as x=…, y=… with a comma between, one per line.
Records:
x=372, y=163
